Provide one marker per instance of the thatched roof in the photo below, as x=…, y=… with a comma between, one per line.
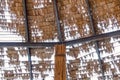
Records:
x=78, y=19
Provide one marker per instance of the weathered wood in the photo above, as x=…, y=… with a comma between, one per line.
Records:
x=60, y=63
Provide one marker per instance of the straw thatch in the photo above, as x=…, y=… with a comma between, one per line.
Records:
x=75, y=21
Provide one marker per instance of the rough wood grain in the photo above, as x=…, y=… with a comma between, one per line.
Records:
x=60, y=63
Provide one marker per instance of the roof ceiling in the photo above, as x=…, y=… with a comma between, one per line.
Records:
x=61, y=21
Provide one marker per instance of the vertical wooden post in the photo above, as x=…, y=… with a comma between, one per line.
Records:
x=60, y=62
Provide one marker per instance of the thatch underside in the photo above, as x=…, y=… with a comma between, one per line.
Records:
x=75, y=21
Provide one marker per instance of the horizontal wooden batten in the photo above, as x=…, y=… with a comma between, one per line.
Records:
x=48, y=44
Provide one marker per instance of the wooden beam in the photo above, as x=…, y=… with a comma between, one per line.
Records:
x=60, y=63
